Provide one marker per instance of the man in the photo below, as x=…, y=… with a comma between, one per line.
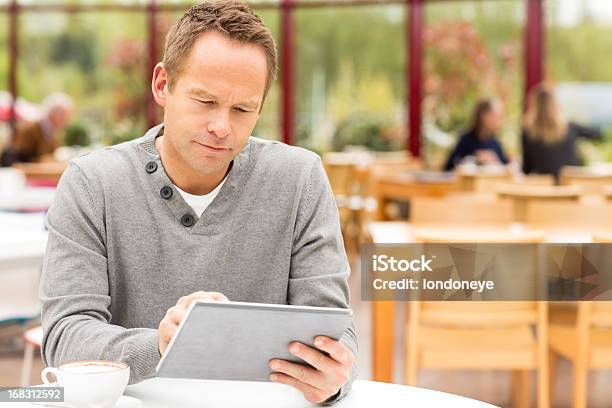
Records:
x=37, y=141
x=196, y=209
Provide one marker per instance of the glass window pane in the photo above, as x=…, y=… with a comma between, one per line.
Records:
x=4, y=48
x=350, y=80
x=104, y=70
x=579, y=63
x=5, y=98
x=62, y=2
x=268, y=125
x=473, y=50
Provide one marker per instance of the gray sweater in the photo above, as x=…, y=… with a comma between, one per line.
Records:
x=124, y=247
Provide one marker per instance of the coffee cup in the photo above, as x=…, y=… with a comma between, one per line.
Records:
x=90, y=384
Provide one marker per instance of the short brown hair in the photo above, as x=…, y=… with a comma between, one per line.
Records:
x=233, y=18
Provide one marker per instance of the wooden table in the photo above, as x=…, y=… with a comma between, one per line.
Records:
x=482, y=178
x=592, y=178
x=46, y=172
x=383, y=312
x=521, y=195
x=406, y=185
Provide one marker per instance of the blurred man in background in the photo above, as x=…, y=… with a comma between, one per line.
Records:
x=36, y=141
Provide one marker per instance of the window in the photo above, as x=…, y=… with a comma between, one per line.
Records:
x=582, y=74
x=473, y=49
x=103, y=69
x=350, y=77
x=5, y=98
x=268, y=125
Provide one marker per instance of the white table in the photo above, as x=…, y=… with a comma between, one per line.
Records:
x=158, y=393
x=22, y=239
x=27, y=198
x=165, y=393
x=22, y=249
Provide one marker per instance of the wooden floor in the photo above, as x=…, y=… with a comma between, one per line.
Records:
x=10, y=368
x=493, y=387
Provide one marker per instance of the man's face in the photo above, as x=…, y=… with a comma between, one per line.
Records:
x=214, y=104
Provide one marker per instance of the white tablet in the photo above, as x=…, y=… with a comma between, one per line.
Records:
x=235, y=340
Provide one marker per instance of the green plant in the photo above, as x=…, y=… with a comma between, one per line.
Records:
x=123, y=131
x=76, y=135
x=363, y=131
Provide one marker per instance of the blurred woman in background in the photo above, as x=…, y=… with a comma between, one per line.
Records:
x=480, y=141
x=549, y=141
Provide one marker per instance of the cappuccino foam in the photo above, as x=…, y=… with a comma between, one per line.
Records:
x=91, y=368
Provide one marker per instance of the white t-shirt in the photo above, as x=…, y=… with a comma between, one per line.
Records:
x=200, y=202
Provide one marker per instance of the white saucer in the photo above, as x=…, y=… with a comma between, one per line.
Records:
x=124, y=402
x=128, y=402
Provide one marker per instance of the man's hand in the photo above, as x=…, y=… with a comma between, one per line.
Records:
x=323, y=381
x=174, y=315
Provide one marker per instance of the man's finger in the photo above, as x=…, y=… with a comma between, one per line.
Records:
x=185, y=301
x=301, y=373
x=311, y=393
x=219, y=297
x=336, y=349
x=176, y=314
x=313, y=357
x=167, y=329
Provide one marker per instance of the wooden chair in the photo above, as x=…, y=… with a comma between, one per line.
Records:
x=584, y=336
x=534, y=180
x=341, y=171
x=481, y=179
x=385, y=166
x=395, y=161
x=471, y=209
x=587, y=344
x=586, y=341
x=408, y=185
x=521, y=195
x=481, y=335
x=568, y=215
x=592, y=179
x=33, y=340
x=603, y=237
x=608, y=192
x=477, y=234
x=351, y=177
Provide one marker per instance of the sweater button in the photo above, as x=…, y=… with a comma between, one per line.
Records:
x=151, y=167
x=165, y=192
x=187, y=220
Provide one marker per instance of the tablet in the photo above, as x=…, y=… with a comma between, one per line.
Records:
x=235, y=340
